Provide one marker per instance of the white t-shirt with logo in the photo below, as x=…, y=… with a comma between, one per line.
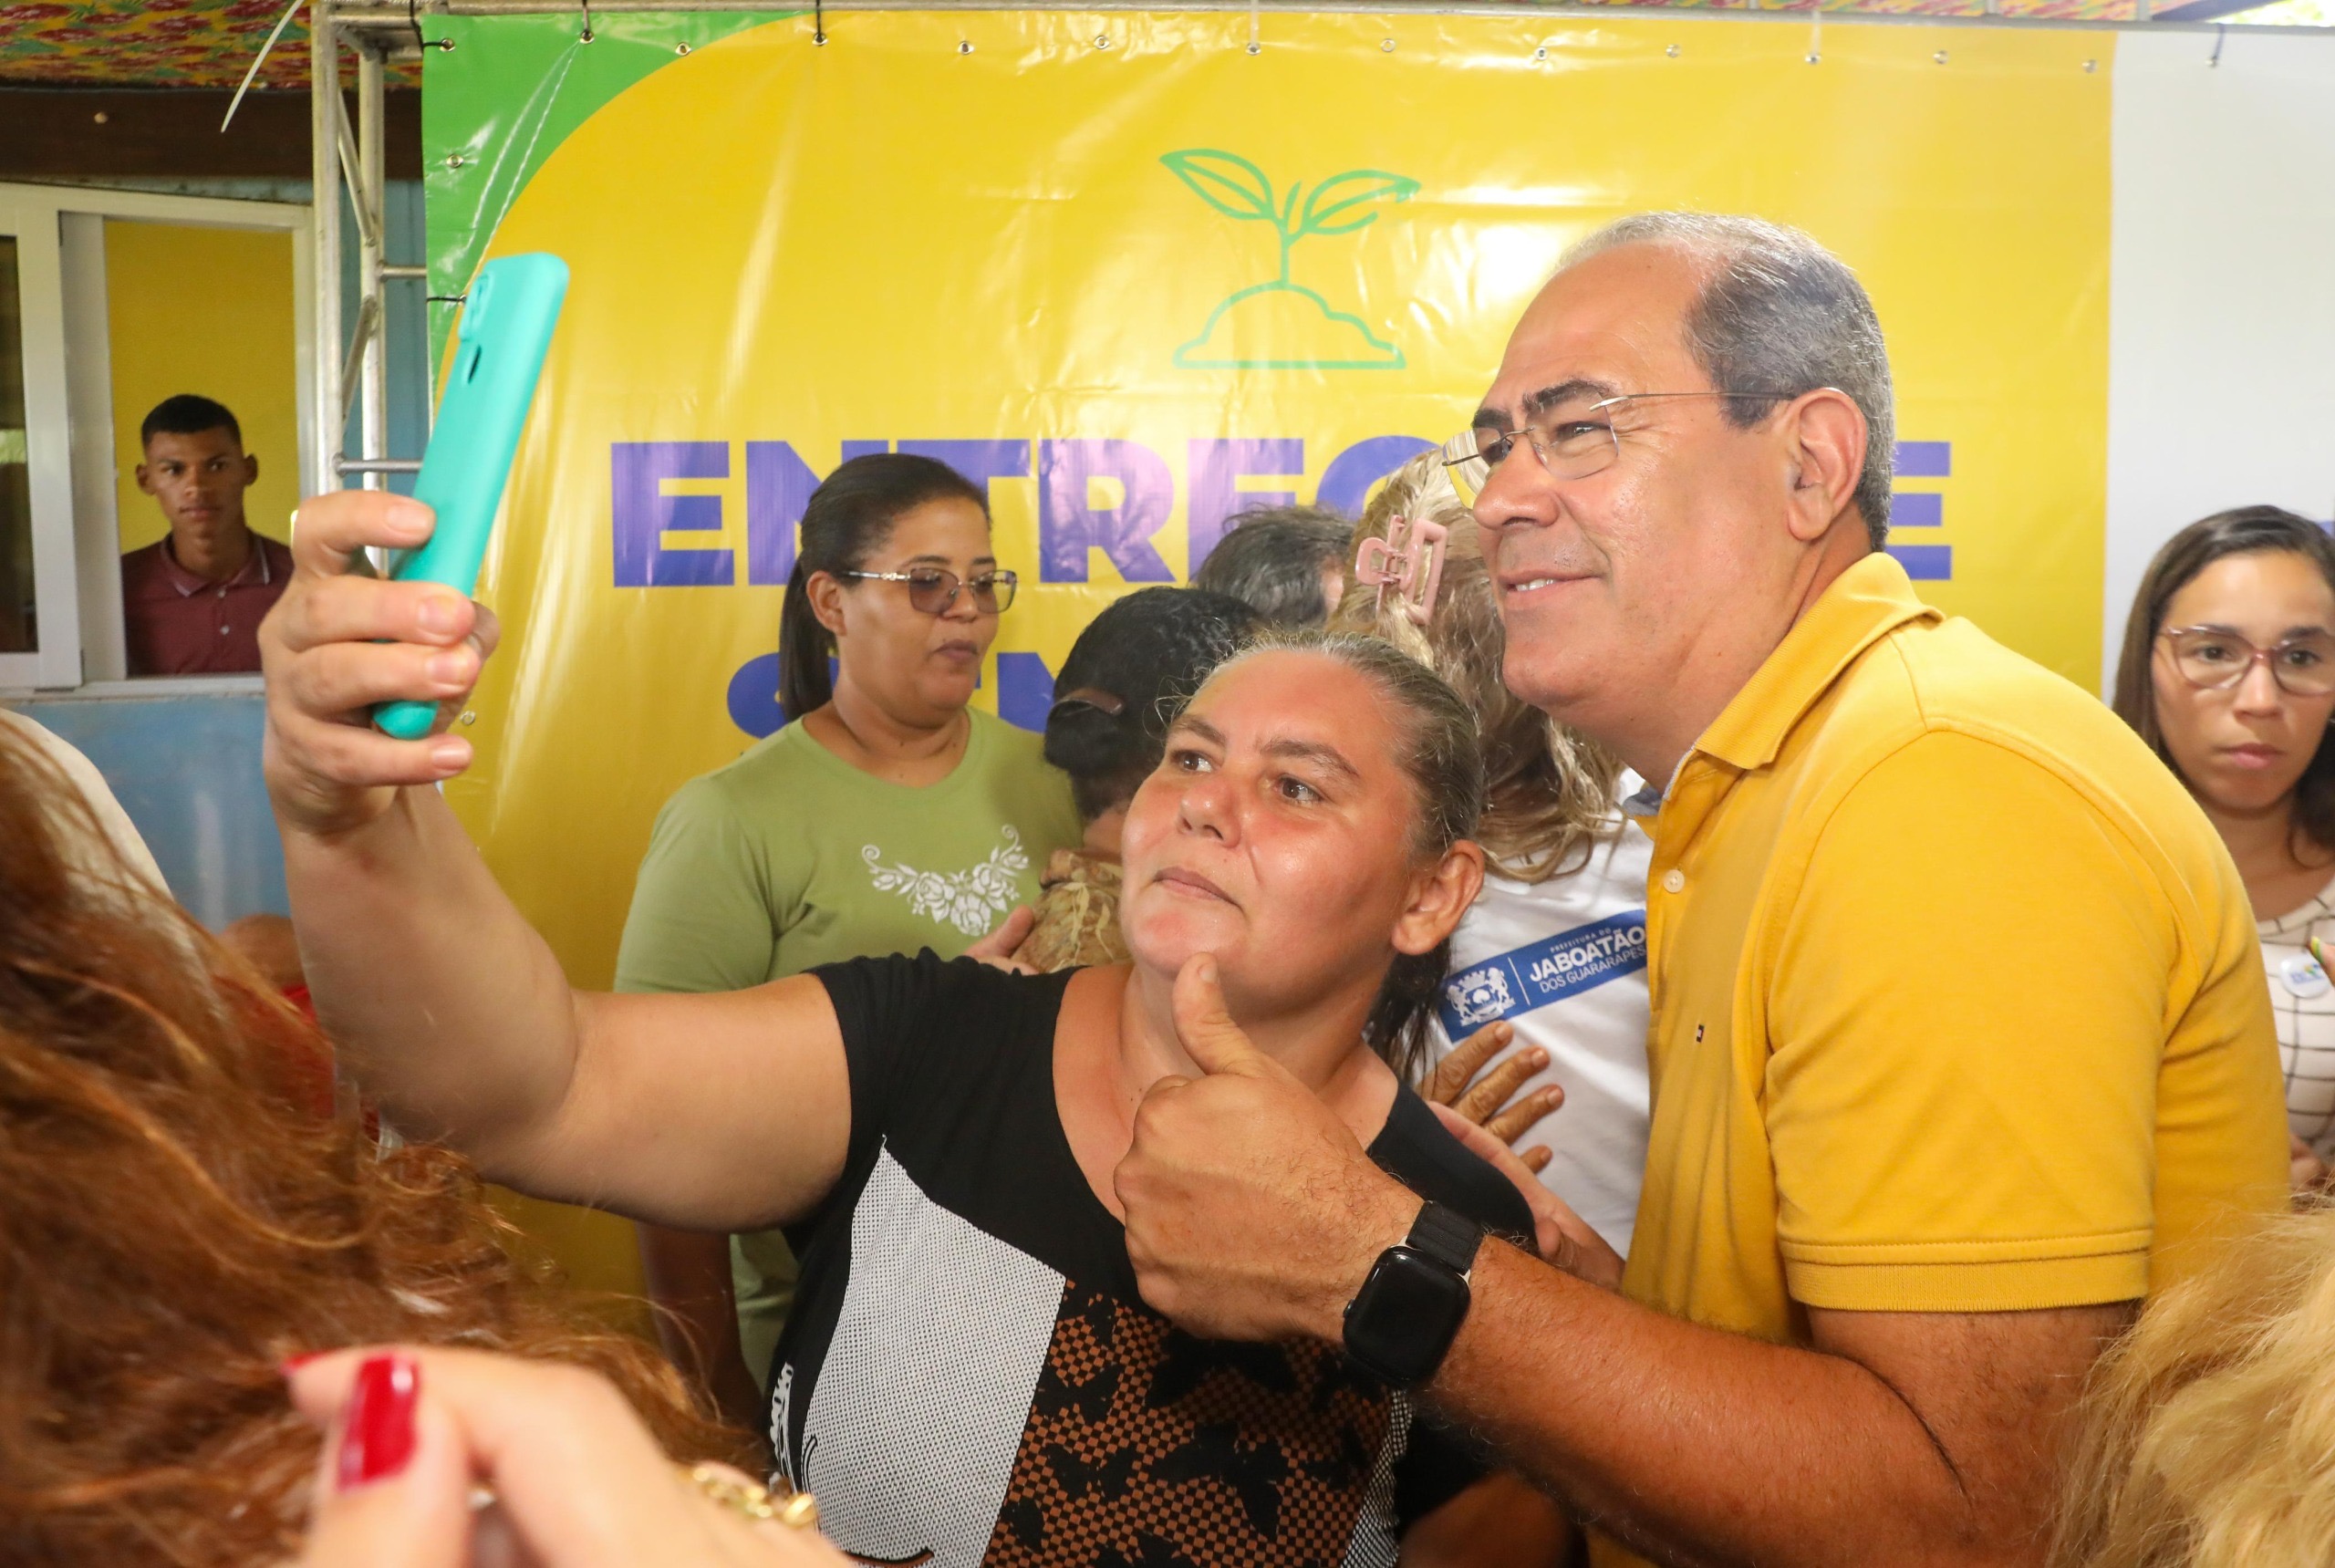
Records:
x=1563, y=961
x=2303, y=1001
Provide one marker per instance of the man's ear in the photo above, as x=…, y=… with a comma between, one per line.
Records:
x=250, y=470
x=826, y=599
x=1827, y=434
x=1439, y=896
x=145, y=480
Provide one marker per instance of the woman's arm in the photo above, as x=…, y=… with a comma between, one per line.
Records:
x=716, y=1112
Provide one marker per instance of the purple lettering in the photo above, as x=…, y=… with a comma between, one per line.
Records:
x=1069, y=524
x=778, y=486
x=1213, y=475
x=1346, y=484
x=642, y=514
x=979, y=461
x=1025, y=689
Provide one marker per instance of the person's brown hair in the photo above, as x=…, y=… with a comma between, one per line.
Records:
x=2242, y=531
x=2206, y=1437
x=1445, y=768
x=172, y=1227
x=1548, y=791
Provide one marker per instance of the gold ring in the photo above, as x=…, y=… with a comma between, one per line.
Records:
x=749, y=1499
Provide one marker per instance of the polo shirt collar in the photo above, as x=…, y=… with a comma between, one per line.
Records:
x=1863, y=604
x=255, y=569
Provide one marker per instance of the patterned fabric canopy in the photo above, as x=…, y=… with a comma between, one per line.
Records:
x=153, y=43
x=211, y=43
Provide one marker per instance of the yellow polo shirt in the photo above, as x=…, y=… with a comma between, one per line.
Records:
x=1957, y=1003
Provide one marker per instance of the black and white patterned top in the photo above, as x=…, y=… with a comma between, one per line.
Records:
x=969, y=1376
x=2303, y=999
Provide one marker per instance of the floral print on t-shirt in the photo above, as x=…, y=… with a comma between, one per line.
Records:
x=972, y=901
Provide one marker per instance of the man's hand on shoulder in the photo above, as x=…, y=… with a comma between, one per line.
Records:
x=1251, y=1211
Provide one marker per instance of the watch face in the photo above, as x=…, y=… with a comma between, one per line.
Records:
x=1406, y=1316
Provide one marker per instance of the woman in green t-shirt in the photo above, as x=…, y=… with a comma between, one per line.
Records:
x=890, y=817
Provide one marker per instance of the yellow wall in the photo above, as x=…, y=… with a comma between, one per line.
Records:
x=209, y=311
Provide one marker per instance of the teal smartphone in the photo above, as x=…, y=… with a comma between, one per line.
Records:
x=507, y=321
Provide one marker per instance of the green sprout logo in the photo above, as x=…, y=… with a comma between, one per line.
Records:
x=1283, y=326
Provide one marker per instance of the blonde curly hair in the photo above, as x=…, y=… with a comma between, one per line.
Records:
x=1548, y=791
x=2207, y=1438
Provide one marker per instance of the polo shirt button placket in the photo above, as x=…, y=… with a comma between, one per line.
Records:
x=1674, y=880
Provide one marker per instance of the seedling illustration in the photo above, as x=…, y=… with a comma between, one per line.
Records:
x=1280, y=325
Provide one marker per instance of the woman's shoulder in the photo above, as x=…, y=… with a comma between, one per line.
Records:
x=1610, y=882
x=2314, y=918
x=764, y=782
x=1010, y=765
x=900, y=994
x=1002, y=743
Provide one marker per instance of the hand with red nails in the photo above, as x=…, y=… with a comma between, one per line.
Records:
x=338, y=643
x=1244, y=1192
x=577, y=1482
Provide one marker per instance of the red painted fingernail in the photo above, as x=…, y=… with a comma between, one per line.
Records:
x=292, y=1364
x=376, y=1428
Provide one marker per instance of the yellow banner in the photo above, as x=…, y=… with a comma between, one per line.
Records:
x=1137, y=274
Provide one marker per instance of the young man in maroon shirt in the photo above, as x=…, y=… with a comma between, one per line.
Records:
x=191, y=603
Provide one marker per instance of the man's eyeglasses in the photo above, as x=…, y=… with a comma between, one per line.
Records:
x=933, y=590
x=2207, y=657
x=1572, y=440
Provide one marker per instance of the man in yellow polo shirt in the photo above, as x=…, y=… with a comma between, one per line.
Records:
x=1960, y=1042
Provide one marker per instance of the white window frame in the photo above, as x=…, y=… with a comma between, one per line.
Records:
x=68, y=412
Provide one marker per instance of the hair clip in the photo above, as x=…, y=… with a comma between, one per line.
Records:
x=1095, y=697
x=1409, y=560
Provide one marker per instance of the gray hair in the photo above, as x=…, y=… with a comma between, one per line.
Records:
x=1272, y=560
x=1778, y=311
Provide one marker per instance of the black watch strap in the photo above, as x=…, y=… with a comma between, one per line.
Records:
x=1447, y=1236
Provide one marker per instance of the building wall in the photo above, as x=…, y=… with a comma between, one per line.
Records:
x=2222, y=321
x=209, y=311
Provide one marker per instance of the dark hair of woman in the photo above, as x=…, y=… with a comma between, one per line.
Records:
x=1126, y=679
x=173, y=1228
x=1440, y=756
x=2241, y=531
x=847, y=520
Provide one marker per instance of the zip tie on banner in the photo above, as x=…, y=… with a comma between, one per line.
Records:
x=818, y=21
x=277, y=32
x=585, y=36
x=1255, y=44
x=1816, y=33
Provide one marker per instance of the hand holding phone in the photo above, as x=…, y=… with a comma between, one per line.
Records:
x=498, y=358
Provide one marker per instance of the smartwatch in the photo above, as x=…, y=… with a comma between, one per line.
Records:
x=1400, y=1324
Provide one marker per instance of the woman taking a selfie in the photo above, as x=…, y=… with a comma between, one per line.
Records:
x=971, y=1371
x=2229, y=674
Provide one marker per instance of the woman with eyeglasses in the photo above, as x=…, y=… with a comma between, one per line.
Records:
x=887, y=815
x=2228, y=672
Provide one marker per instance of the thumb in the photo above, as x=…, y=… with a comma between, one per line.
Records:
x=1205, y=1025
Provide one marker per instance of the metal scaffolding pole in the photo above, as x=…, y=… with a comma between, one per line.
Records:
x=352, y=366
x=401, y=13
x=325, y=133
x=371, y=193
